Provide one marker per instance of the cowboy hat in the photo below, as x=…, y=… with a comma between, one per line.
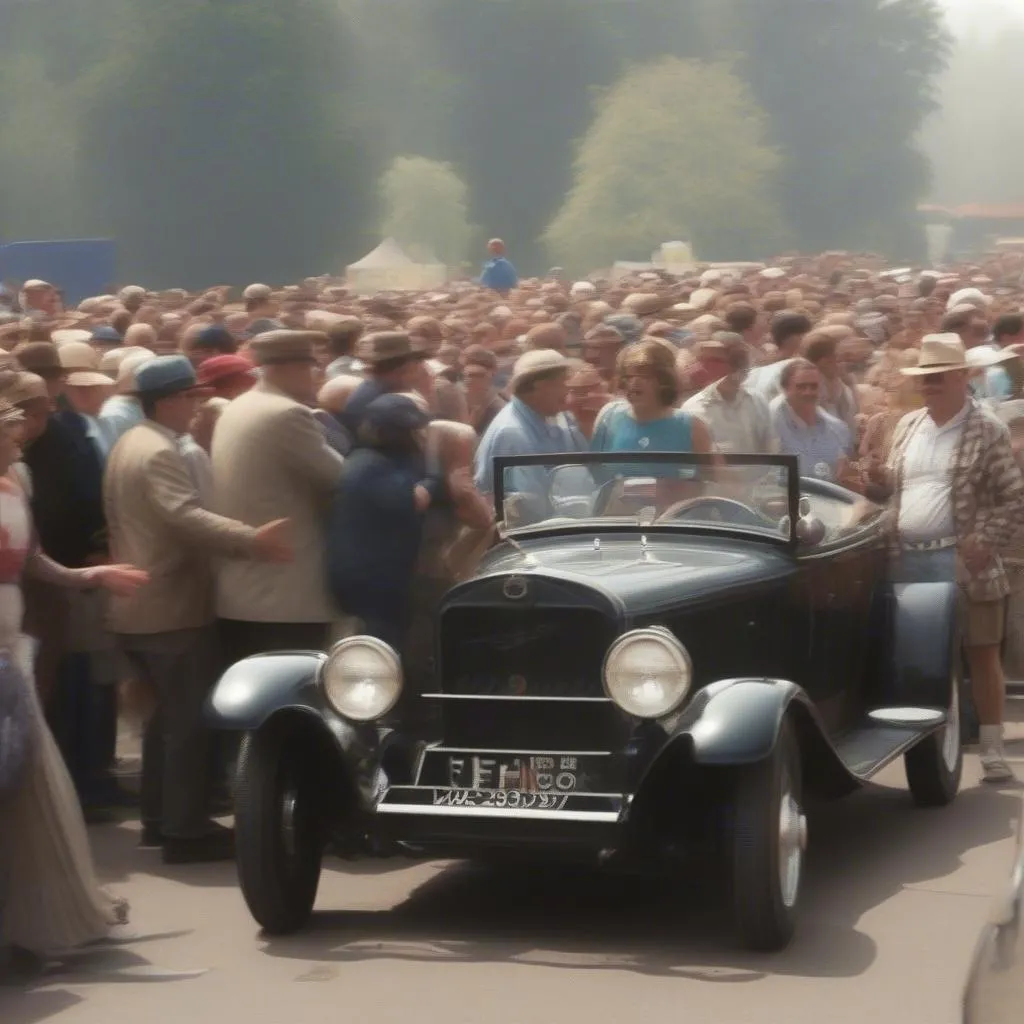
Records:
x=940, y=353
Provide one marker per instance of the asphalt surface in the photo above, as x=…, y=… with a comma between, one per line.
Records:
x=895, y=899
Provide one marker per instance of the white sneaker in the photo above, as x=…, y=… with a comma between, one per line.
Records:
x=994, y=766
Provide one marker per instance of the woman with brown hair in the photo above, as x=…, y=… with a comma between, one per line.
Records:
x=647, y=418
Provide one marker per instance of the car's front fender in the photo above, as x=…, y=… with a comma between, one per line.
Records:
x=250, y=691
x=258, y=692
x=740, y=719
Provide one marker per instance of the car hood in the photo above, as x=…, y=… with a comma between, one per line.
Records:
x=669, y=571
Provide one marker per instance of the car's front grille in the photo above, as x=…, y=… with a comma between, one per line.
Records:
x=527, y=679
x=534, y=652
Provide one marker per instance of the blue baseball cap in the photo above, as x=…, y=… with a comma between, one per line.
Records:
x=395, y=412
x=165, y=375
x=107, y=335
x=216, y=337
x=262, y=326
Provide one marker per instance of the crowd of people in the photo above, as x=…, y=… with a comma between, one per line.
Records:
x=188, y=479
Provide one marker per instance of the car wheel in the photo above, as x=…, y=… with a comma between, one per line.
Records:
x=769, y=840
x=279, y=835
x=935, y=765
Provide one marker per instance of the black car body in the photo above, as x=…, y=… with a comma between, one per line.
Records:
x=619, y=682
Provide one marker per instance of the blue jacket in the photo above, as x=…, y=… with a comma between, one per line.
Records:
x=374, y=535
x=499, y=275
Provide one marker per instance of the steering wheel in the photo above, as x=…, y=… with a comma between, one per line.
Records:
x=730, y=510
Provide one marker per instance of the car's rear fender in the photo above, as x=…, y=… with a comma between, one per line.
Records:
x=915, y=645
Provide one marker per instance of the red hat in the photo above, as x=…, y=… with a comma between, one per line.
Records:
x=218, y=368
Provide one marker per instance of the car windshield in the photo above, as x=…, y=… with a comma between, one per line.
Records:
x=748, y=493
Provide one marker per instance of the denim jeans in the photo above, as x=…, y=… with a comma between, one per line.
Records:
x=925, y=567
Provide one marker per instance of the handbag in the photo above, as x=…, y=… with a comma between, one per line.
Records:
x=15, y=725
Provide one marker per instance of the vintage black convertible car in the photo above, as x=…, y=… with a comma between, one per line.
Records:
x=665, y=657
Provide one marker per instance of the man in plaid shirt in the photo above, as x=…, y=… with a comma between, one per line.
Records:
x=958, y=500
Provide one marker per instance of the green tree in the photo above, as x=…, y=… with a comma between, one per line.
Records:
x=425, y=209
x=846, y=85
x=405, y=88
x=527, y=68
x=217, y=143
x=676, y=151
x=38, y=154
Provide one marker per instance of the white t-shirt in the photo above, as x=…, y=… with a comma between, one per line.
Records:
x=926, y=504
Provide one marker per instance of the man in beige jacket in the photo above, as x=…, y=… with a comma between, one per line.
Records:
x=168, y=628
x=271, y=460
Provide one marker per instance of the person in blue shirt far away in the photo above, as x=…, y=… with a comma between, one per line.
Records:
x=498, y=274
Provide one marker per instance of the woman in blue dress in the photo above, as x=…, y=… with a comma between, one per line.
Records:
x=647, y=419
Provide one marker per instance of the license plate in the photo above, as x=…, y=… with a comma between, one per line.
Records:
x=512, y=799
x=556, y=773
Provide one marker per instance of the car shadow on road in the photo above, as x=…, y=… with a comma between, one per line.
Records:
x=862, y=852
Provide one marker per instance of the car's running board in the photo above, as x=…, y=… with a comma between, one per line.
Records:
x=867, y=749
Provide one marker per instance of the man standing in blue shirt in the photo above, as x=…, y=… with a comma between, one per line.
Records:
x=498, y=274
x=533, y=423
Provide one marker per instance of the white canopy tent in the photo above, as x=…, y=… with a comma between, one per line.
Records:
x=390, y=268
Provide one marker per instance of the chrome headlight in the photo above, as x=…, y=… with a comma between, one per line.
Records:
x=647, y=672
x=362, y=678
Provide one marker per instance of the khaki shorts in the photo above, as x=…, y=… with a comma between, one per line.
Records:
x=983, y=622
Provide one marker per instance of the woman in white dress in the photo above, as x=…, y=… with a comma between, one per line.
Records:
x=49, y=897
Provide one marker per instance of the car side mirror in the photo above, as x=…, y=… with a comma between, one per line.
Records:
x=810, y=531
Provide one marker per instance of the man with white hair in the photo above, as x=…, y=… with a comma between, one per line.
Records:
x=39, y=299
x=132, y=297
x=259, y=302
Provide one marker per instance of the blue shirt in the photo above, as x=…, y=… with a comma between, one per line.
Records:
x=499, y=275
x=618, y=431
x=518, y=430
x=119, y=414
x=352, y=416
x=827, y=441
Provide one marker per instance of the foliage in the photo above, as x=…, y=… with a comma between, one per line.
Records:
x=527, y=68
x=219, y=128
x=425, y=209
x=245, y=136
x=846, y=86
x=37, y=155
x=676, y=151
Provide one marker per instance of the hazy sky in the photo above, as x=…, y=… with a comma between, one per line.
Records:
x=963, y=13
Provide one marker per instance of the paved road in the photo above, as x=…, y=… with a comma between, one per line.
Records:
x=895, y=900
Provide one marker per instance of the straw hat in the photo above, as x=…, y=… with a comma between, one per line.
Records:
x=536, y=364
x=940, y=353
x=982, y=356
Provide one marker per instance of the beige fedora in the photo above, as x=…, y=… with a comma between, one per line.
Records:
x=535, y=364
x=940, y=353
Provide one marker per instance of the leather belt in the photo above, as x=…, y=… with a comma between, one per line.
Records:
x=942, y=544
